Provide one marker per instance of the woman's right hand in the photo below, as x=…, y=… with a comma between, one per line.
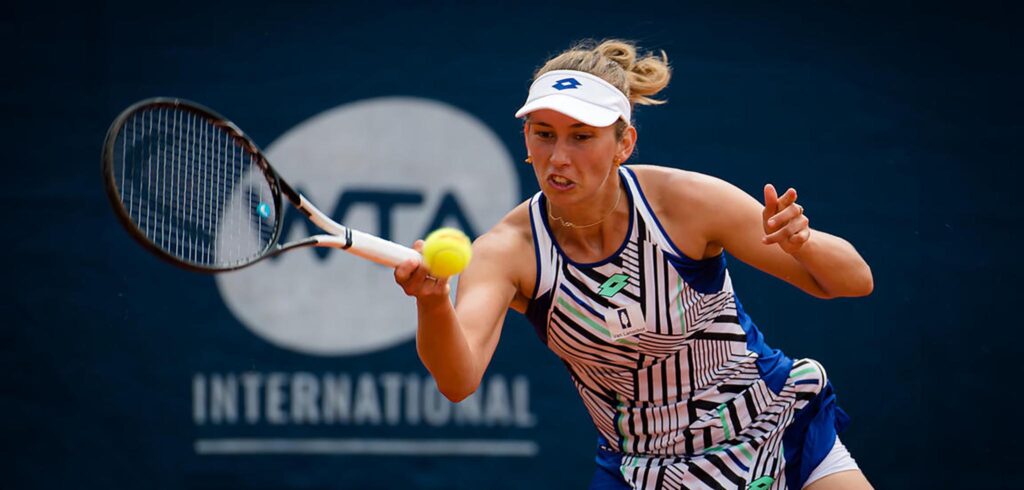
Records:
x=416, y=280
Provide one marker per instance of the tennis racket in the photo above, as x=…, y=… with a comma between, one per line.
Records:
x=193, y=189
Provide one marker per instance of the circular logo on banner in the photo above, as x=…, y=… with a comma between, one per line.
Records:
x=395, y=167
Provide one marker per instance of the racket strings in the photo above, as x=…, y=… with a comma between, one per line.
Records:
x=193, y=188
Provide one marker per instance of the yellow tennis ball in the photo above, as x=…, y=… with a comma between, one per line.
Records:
x=446, y=252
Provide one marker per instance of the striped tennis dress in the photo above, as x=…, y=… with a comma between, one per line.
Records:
x=678, y=380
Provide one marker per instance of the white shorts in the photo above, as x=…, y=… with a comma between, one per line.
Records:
x=838, y=459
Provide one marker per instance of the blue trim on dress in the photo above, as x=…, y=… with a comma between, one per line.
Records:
x=657, y=222
x=737, y=461
x=772, y=364
x=537, y=313
x=580, y=302
x=811, y=435
x=608, y=475
x=537, y=308
x=706, y=276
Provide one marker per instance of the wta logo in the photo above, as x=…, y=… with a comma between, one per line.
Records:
x=396, y=167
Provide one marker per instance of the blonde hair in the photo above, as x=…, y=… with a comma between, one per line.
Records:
x=615, y=61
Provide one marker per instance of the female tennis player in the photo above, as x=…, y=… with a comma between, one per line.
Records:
x=622, y=271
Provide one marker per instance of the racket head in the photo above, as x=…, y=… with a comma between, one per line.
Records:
x=191, y=187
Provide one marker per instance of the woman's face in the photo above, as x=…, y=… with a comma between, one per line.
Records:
x=573, y=160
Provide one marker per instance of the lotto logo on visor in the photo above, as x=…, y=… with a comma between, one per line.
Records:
x=584, y=97
x=566, y=84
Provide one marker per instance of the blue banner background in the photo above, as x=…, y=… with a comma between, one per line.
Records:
x=900, y=127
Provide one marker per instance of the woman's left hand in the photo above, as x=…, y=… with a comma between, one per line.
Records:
x=784, y=220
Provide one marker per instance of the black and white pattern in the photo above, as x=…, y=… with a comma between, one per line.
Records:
x=683, y=400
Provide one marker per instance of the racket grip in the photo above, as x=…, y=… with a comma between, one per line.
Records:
x=379, y=250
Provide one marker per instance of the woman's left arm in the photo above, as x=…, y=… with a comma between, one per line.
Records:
x=776, y=237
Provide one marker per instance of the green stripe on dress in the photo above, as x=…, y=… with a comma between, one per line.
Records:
x=804, y=371
x=725, y=425
x=590, y=323
x=682, y=319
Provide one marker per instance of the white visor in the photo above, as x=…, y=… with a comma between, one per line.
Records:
x=579, y=95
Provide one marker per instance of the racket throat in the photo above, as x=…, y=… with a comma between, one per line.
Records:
x=325, y=241
x=343, y=242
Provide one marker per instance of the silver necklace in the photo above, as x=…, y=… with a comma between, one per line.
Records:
x=569, y=224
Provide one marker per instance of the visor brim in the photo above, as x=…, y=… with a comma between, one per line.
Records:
x=580, y=110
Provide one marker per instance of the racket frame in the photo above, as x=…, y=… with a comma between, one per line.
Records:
x=362, y=244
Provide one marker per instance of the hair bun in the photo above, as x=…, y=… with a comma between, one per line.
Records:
x=618, y=51
x=646, y=76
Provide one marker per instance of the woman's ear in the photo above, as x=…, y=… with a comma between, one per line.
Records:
x=627, y=143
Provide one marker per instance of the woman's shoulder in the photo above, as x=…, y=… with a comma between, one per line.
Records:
x=508, y=246
x=688, y=204
x=668, y=189
x=515, y=225
x=510, y=236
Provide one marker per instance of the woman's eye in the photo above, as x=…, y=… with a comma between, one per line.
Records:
x=543, y=134
x=583, y=137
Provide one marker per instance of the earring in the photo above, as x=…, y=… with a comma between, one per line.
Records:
x=529, y=159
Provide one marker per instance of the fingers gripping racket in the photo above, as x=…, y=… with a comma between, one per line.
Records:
x=195, y=190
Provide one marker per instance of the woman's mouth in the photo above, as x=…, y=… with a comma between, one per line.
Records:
x=560, y=183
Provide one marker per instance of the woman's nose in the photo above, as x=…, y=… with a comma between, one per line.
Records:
x=560, y=155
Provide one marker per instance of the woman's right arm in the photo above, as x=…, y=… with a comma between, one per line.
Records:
x=456, y=343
